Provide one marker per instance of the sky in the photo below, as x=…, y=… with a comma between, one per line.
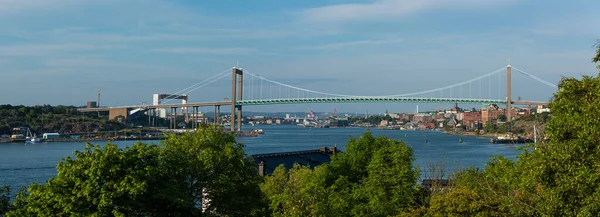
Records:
x=61, y=52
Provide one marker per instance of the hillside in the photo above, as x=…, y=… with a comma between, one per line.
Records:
x=46, y=118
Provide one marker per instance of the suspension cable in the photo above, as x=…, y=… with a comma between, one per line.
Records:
x=536, y=78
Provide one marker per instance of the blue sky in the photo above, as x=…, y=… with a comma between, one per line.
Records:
x=63, y=51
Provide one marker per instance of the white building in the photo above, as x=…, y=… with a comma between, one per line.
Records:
x=50, y=135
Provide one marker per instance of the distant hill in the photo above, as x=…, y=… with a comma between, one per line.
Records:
x=51, y=119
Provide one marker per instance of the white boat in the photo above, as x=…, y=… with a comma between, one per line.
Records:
x=31, y=138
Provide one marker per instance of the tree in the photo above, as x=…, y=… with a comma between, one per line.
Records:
x=211, y=166
x=4, y=199
x=502, y=117
x=99, y=181
x=559, y=177
x=205, y=173
x=490, y=128
x=298, y=192
x=374, y=177
x=390, y=183
x=567, y=167
x=596, y=58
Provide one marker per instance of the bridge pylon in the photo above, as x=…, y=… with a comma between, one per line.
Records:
x=508, y=96
x=236, y=83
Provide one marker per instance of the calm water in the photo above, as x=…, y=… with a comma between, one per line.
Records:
x=21, y=164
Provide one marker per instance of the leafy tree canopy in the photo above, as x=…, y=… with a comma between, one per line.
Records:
x=558, y=177
x=4, y=199
x=204, y=173
x=374, y=177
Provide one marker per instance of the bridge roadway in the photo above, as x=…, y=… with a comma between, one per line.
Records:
x=320, y=100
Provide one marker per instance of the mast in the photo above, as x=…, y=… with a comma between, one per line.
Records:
x=534, y=134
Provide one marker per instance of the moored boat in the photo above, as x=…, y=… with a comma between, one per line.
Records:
x=31, y=138
x=509, y=139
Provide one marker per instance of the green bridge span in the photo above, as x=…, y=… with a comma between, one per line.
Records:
x=369, y=100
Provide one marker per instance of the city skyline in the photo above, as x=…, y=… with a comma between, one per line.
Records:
x=64, y=51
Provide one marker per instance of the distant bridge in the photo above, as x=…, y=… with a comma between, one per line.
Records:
x=280, y=93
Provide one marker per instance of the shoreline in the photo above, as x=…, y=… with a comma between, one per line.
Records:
x=472, y=134
x=83, y=140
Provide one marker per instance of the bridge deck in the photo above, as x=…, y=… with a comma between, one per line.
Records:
x=322, y=100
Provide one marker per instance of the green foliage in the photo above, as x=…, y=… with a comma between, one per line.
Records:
x=569, y=168
x=597, y=56
x=48, y=118
x=4, y=199
x=560, y=177
x=211, y=166
x=374, y=177
x=490, y=128
x=502, y=118
x=173, y=179
x=299, y=192
x=493, y=128
x=538, y=117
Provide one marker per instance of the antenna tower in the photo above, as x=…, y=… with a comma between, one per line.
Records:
x=98, y=102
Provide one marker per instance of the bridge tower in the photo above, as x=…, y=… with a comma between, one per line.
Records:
x=508, y=96
x=236, y=83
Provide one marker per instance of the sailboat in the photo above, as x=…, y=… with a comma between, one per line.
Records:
x=30, y=137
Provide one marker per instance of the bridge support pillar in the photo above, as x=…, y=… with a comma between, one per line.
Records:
x=174, y=115
x=218, y=120
x=215, y=117
x=233, y=96
x=239, y=97
x=173, y=118
x=194, y=117
x=508, y=97
x=154, y=117
x=170, y=118
x=234, y=79
x=187, y=114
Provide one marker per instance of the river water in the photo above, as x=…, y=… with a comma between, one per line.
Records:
x=21, y=164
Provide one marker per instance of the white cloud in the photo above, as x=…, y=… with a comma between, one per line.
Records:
x=83, y=62
x=340, y=45
x=382, y=9
x=18, y=6
x=200, y=50
x=48, y=49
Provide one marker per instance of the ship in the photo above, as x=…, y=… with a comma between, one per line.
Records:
x=510, y=139
x=31, y=138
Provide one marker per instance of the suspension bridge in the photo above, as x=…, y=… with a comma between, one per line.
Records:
x=258, y=90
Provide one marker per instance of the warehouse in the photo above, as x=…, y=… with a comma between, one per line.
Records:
x=51, y=136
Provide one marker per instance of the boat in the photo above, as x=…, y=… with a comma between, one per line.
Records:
x=460, y=140
x=30, y=138
x=509, y=139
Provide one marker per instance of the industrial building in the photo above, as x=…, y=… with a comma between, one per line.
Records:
x=50, y=136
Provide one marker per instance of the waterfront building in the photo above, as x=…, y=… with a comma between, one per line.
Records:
x=267, y=163
x=471, y=119
x=50, y=136
x=490, y=115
